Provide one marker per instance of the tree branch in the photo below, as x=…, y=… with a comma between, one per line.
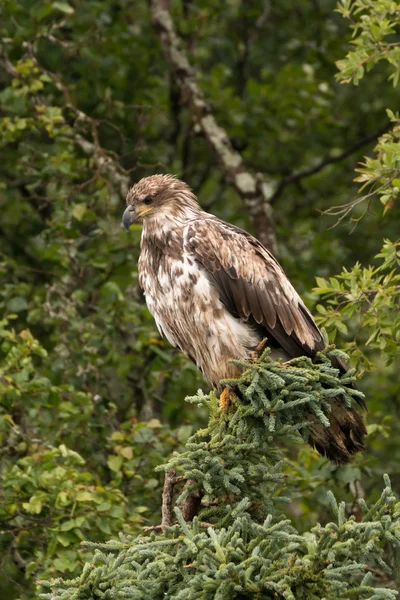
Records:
x=328, y=160
x=191, y=505
x=167, y=507
x=167, y=499
x=254, y=190
x=105, y=163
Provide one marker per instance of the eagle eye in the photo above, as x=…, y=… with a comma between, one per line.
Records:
x=148, y=200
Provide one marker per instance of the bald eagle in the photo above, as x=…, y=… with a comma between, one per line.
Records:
x=217, y=293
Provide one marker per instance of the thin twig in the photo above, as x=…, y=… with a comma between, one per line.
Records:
x=328, y=160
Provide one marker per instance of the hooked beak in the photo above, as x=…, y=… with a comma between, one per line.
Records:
x=129, y=217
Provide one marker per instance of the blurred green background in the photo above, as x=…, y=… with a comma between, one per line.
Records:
x=91, y=398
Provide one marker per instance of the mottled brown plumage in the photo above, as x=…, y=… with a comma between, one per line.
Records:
x=216, y=292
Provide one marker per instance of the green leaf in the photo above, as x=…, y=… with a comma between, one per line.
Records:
x=104, y=506
x=114, y=463
x=34, y=505
x=63, y=7
x=321, y=309
x=184, y=432
x=17, y=304
x=64, y=540
x=64, y=564
x=78, y=211
x=322, y=283
x=84, y=496
x=68, y=525
x=342, y=327
x=126, y=452
x=103, y=525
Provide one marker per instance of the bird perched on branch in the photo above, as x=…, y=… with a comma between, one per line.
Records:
x=217, y=293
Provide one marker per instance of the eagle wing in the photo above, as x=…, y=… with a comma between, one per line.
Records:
x=252, y=285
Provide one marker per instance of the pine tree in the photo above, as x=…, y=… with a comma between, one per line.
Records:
x=223, y=535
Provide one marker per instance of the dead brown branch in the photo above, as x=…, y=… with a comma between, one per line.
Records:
x=191, y=505
x=167, y=498
x=328, y=160
x=253, y=188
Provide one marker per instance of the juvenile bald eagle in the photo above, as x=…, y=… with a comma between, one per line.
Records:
x=215, y=292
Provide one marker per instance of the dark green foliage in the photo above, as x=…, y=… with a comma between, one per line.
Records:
x=240, y=546
x=268, y=561
x=91, y=397
x=64, y=477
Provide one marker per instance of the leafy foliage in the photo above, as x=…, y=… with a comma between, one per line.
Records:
x=51, y=497
x=372, y=22
x=87, y=106
x=375, y=26
x=234, y=454
x=368, y=299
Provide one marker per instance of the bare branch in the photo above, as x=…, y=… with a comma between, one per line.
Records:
x=191, y=505
x=342, y=210
x=105, y=163
x=253, y=188
x=328, y=160
x=151, y=528
x=17, y=558
x=167, y=498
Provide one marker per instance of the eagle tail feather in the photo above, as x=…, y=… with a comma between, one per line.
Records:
x=343, y=438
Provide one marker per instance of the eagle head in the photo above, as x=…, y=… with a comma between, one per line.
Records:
x=157, y=196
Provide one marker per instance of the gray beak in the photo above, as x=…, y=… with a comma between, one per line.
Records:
x=128, y=217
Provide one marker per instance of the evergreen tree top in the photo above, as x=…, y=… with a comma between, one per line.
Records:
x=223, y=535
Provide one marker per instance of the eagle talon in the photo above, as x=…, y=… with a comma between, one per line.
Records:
x=259, y=349
x=226, y=398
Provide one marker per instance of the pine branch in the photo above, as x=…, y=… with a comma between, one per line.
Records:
x=239, y=545
x=246, y=559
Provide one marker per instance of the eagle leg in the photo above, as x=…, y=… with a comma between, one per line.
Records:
x=226, y=398
x=259, y=349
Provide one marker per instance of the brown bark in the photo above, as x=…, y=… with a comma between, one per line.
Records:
x=190, y=507
x=167, y=499
x=254, y=190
